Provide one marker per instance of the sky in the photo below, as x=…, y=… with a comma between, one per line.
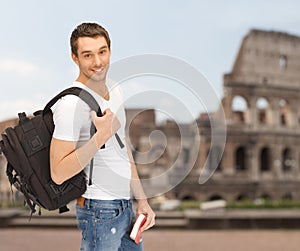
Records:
x=35, y=61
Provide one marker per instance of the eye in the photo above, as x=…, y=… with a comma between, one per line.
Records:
x=87, y=55
x=102, y=52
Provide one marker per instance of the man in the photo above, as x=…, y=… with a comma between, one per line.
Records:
x=104, y=212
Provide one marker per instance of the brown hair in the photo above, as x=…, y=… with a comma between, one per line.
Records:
x=87, y=30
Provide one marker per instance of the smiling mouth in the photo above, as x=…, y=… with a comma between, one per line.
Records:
x=98, y=71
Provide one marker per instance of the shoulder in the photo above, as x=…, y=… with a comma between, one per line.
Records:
x=70, y=103
x=70, y=116
x=70, y=109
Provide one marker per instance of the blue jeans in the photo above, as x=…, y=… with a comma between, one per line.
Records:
x=106, y=225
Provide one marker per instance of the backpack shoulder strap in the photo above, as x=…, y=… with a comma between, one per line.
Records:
x=81, y=93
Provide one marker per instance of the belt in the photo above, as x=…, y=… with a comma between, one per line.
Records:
x=123, y=202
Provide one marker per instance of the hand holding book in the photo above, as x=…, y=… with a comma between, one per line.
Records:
x=136, y=231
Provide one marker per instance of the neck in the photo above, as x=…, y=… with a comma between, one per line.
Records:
x=97, y=86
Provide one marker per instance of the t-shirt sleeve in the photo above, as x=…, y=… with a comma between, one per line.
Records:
x=67, y=118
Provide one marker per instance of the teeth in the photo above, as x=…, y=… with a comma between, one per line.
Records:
x=99, y=70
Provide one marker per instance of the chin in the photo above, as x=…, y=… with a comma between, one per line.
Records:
x=98, y=78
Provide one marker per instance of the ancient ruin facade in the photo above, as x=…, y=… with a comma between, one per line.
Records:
x=262, y=109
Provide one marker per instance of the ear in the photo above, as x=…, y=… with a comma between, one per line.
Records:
x=75, y=58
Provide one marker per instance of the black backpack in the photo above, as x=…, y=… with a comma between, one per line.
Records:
x=26, y=148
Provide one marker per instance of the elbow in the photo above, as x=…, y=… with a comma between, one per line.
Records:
x=57, y=179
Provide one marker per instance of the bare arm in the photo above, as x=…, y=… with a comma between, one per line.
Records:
x=138, y=192
x=66, y=161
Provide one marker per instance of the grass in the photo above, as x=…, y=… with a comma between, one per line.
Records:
x=265, y=204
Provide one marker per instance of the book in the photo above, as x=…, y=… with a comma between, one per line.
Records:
x=136, y=232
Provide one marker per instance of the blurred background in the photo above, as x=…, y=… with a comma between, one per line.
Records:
x=222, y=172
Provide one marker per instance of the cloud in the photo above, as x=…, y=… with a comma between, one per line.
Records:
x=29, y=106
x=20, y=67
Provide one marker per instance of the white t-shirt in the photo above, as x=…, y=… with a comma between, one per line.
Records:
x=111, y=171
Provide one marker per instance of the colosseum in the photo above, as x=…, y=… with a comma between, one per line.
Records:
x=261, y=104
x=262, y=152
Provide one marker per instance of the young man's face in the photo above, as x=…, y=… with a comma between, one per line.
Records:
x=93, y=58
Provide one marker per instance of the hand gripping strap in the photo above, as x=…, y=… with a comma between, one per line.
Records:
x=86, y=97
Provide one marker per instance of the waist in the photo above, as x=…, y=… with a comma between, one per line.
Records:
x=93, y=203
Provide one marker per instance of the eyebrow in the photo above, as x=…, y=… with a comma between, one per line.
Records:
x=101, y=48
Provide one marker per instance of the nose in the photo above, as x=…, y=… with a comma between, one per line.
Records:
x=97, y=61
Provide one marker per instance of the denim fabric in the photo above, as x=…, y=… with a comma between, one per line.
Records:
x=106, y=225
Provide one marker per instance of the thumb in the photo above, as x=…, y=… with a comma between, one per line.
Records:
x=106, y=111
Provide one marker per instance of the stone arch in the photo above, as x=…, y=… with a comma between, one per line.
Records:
x=187, y=153
x=266, y=196
x=263, y=110
x=285, y=112
x=265, y=159
x=287, y=196
x=240, y=109
x=240, y=159
x=242, y=197
x=282, y=62
x=287, y=160
x=188, y=197
x=215, y=197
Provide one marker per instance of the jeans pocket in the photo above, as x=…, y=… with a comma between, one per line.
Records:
x=107, y=215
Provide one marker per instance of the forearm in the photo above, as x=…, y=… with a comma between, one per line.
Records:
x=135, y=183
x=67, y=166
x=139, y=194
